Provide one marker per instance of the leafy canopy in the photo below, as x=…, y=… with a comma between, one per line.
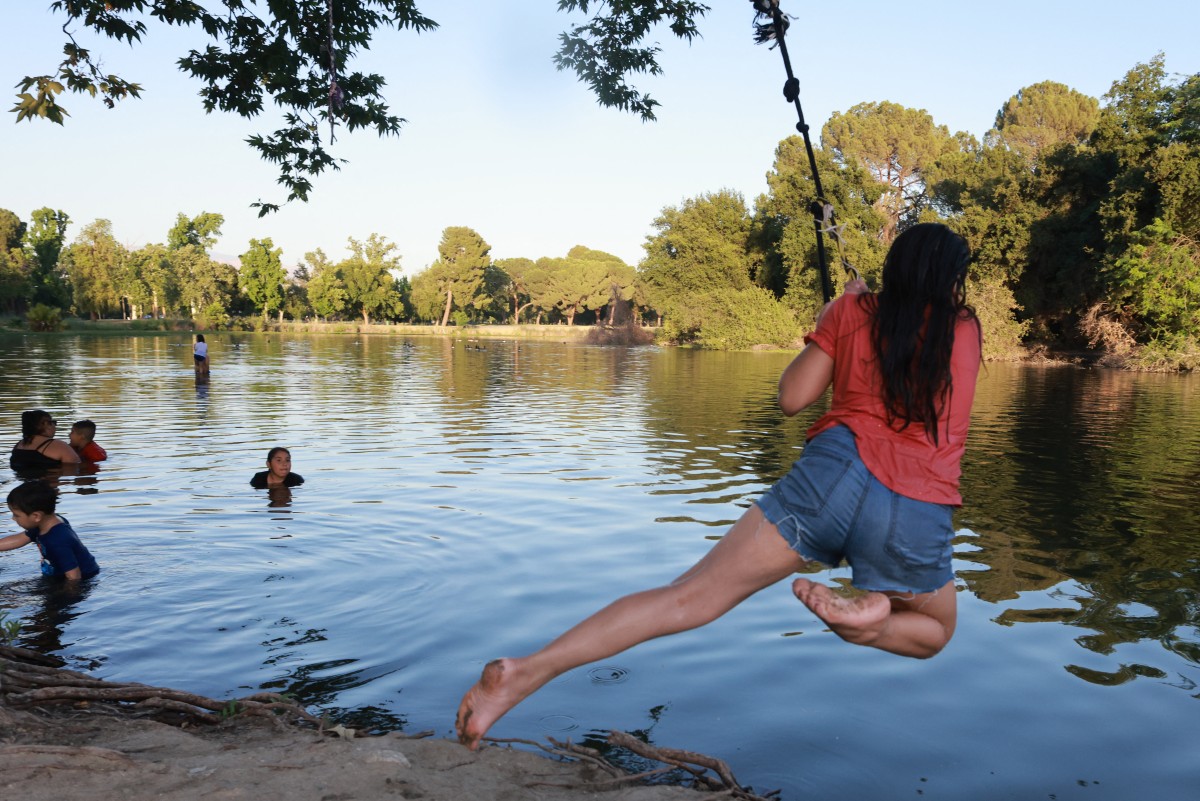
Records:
x=261, y=275
x=298, y=53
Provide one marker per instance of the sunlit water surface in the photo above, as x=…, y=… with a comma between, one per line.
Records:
x=469, y=500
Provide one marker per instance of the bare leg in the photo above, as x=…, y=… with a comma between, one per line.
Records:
x=917, y=626
x=751, y=556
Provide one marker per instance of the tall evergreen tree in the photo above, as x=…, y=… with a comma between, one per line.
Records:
x=1044, y=116
x=896, y=145
x=460, y=269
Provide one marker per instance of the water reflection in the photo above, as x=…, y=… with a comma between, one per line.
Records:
x=279, y=497
x=465, y=502
x=1082, y=488
x=48, y=609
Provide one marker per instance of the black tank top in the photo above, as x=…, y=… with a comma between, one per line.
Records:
x=31, y=458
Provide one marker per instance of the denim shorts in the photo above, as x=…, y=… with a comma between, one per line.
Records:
x=829, y=507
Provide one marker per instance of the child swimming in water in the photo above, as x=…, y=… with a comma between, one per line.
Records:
x=82, y=435
x=64, y=556
x=279, y=471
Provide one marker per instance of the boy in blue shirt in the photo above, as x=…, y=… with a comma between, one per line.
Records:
x=63, y=555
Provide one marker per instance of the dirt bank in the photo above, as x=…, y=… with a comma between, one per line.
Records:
x=66, y=736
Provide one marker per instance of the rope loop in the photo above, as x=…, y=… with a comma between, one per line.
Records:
x=822, y=211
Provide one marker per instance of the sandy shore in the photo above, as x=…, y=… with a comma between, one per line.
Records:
x=65, y=735
x=86, y=754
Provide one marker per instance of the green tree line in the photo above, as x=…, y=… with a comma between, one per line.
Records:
x=96, y=277
x=1082, y=215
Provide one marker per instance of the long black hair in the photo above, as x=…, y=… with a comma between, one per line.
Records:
x=923, y=298
x=31, y=422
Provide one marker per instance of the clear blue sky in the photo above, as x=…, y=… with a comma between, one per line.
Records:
x=498, y=140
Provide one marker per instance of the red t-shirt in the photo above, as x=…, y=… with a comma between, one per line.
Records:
x=905, y=460
x=92, y=453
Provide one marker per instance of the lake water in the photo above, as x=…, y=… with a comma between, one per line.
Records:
x=471, y=500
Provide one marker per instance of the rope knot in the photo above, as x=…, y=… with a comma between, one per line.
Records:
x=791, y=89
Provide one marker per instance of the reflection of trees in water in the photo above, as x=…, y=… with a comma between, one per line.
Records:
x=56, y=604
x=721, y=434
x=306, y=684
x=1094, y=492
x=369, y=719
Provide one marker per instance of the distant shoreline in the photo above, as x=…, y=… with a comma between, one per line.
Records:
x=1032, y=355
x=252, y=326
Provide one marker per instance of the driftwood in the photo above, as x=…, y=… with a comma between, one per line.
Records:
x=698, y=765
x=30, y=679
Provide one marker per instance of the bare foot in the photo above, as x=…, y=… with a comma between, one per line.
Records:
x=501, y=687
x=850, y=618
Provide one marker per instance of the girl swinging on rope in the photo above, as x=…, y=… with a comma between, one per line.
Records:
x=875, y=485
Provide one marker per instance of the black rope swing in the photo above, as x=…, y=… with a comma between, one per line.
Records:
x=770, y=25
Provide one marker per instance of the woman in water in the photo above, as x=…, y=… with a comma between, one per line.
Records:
x=875, y=485
x=38, y=449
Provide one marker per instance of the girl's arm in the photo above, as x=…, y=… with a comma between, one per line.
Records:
x=805, y=379
x=810, y=373
x=74, y=574
x=13, y=541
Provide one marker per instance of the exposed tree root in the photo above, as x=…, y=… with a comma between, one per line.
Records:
x=33, y=681
x=29, y=679
x=698, y=765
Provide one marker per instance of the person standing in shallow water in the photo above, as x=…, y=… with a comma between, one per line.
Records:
x=200, y=355
x=875, y=485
